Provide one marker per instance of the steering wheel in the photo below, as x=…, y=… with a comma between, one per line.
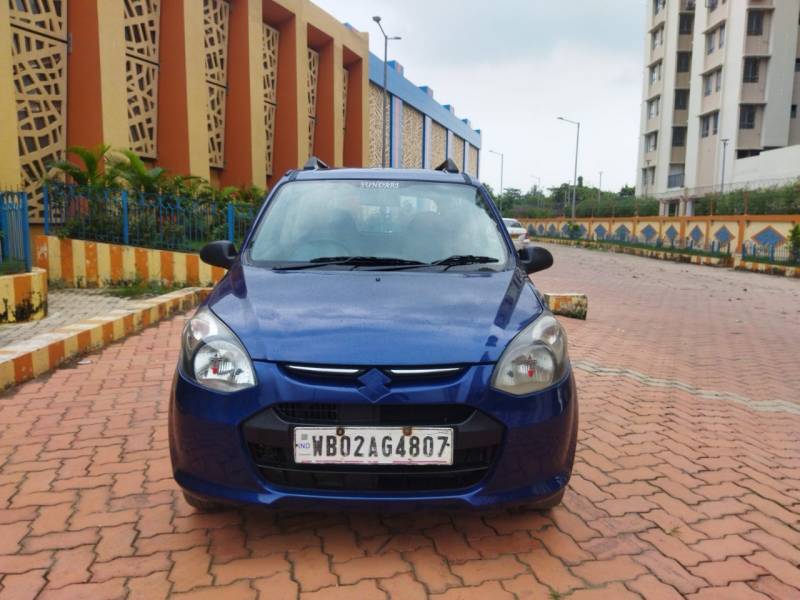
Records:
x=307, y=250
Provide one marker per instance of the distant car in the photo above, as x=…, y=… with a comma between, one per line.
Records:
x=518, y=233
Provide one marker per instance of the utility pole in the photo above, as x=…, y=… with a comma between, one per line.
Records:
x=386, y=39
x=724, y=156
x=502, y=167
x=575, y=176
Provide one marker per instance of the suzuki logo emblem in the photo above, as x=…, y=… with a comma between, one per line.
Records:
x=374, y=385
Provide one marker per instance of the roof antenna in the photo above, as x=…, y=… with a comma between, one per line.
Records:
x=448, y=166
x=314, y=164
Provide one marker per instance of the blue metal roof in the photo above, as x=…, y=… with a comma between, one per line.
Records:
x=418, y=98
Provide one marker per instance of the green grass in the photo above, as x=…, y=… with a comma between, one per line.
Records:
x=141, y=289
x=12, y=267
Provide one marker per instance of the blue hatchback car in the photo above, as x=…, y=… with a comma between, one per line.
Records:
x=376, y=343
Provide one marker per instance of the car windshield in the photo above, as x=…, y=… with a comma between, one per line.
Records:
x=406, y=222
x=512, y=223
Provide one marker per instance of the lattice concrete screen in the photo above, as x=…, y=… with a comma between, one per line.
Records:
x=413, y=124
x=269, y=59
x=375, y=126
x=216, y=15
x=39, y=64
x=311, y=88
x=438, y=144
x=472, y=160
x=457, y=153
x=141, y=70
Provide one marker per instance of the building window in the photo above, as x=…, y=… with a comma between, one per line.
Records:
x=793, y=111
x=655, y=73
x=684, y=61
x=678, y=137
x=712, y=5
x=653, y=107
x=709, y=124
x=797, y=65
x=710, y=42
x=686, y=24
x=747, y=117
x=707, y=84
x=681, y=99
x=747, y=153
x=721, y=43
x=751, y=68
x=755, y=22
x=651, y=142
x=718, y=79
x=658, y=5
x=657, y=38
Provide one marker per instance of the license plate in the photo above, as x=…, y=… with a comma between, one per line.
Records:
x=373, y=446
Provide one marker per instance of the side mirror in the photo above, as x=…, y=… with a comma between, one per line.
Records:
x=219, y=254
x=534, y=259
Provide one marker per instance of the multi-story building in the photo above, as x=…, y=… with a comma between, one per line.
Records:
x=234, y=91
x=720, y=96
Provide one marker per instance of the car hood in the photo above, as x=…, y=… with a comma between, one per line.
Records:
x=334, y=317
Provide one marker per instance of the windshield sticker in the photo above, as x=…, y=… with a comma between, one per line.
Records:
x=380, y=185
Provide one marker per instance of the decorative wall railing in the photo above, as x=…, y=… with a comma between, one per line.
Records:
x=15, y=250
x=770, y=253
x=149, y=220
x=675, y=244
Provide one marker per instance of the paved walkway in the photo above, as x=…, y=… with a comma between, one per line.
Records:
x=686, y=484
x=64, y=307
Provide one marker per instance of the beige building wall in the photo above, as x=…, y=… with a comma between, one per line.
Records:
x=773, y=97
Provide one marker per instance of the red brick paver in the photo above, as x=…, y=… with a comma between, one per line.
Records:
x=687, y=480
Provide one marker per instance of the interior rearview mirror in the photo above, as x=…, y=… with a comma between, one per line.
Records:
x=534, y=259
x=221, y=253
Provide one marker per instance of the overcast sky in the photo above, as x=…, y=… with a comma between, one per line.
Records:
x=513, y=66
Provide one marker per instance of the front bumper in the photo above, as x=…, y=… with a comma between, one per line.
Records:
x=236, y=448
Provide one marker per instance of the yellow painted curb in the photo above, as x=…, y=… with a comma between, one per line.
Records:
x=23, y=296
x=574, y=306
x=42, y=353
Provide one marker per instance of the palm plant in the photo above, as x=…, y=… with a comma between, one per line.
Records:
x=137, y=174
x=93, y=172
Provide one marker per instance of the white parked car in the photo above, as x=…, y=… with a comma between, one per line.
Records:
x=518, y=233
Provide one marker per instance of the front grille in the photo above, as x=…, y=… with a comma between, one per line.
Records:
x=269, y=436
x=363, y=414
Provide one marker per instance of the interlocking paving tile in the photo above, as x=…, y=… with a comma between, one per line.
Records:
x=687, y=478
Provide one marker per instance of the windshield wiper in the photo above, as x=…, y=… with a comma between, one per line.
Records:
x=459, y=260
x=356, y=261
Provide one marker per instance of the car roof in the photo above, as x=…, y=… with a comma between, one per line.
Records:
x=386, y=174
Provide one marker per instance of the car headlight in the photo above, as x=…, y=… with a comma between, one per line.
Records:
x=534, y=360
x=212, y=355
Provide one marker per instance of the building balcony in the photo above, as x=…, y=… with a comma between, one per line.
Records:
x=680, y=118
x=685, y=42
x=756, y=92
x=757, y=45
x=678, y=154
x=683, y=80
x=657, y=53
x=676, y=181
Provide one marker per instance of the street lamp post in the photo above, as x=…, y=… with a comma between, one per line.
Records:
x=577, y=147
x=502, y=160
x=538, y=186
x=386, y=39
x=724, y=156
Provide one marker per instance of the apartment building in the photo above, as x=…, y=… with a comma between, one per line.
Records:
x=720, y=96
